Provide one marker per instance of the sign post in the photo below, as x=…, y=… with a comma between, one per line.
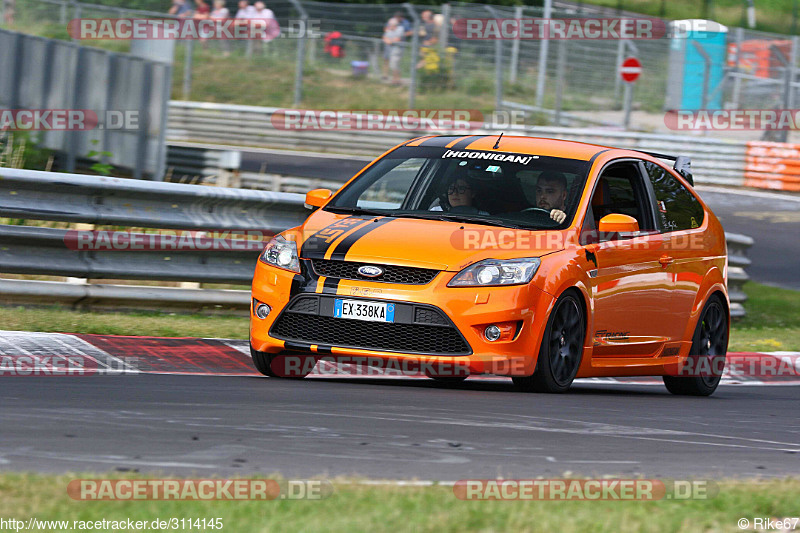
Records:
x=629, y=71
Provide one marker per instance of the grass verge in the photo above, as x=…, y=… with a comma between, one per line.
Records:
x=772, y=322
x=56, y=319
x=389, y=508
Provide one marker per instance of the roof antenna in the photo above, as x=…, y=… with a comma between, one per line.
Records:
x=497, y=144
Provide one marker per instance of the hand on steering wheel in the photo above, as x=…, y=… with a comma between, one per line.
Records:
x=555, y=214
x=558, y=215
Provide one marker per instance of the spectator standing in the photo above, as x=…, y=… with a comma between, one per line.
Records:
x=264, y=13
x=408, y=28
x=180, y=8
x=430, y=36
x=245, y=10
x=8, y=11
x=393, y=49
x=220, y=12
x=202, y=11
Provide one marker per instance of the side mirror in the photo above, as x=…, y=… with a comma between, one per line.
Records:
x=618, y=223
x=317, y=198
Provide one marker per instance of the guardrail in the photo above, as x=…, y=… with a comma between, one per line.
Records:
x=714, y=161
x=738, y=245
x=97, y=200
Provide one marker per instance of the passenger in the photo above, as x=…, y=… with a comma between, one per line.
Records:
x=459, y=197
x=551, y=194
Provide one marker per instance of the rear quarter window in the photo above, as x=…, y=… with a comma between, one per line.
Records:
x=677, y=208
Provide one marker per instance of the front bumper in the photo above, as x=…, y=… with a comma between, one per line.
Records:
x=435, y=324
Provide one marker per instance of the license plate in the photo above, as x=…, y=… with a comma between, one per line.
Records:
x=359, y=310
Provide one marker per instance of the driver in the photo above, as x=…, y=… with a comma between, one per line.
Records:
x=551, y=194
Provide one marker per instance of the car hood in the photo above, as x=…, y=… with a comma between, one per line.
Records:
x=440, y=245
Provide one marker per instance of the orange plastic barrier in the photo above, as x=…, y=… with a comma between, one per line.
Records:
x=771, y=165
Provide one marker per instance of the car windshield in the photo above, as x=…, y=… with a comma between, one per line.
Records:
x=487, y=187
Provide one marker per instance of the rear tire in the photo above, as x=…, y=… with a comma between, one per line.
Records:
x=710, y=342
x=561, y=350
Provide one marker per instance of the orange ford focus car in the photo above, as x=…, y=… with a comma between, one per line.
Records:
x=544, y=260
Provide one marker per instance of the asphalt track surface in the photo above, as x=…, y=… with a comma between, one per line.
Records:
x=772, y=219
x=391, y=428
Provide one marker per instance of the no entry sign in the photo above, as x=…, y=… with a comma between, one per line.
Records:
x=630, y=69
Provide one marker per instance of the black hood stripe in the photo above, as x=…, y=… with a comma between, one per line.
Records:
x=345, y=244
x=316, y=246
x=330, y=286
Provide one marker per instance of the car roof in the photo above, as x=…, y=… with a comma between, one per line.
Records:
x=515, y=144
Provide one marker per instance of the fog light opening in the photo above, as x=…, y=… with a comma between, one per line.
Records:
x=261, y=310
x=492, y=333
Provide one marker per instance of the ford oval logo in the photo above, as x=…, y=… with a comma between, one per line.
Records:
x=370, y=271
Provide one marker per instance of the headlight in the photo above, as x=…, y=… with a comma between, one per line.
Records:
x=491, y=272
x=281, y=253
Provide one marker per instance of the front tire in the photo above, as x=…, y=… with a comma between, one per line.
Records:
x=267, y=363
x=561, y=350
x=709, y=348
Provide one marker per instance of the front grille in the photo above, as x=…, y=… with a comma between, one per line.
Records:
x=414, y=338
x=391, y=273
x=418, y=328
x=429, y=316
x=305, y=305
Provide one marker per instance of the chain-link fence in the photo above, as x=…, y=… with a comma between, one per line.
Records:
x=327, y=48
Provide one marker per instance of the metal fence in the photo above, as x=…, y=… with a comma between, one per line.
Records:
x=714, y=161
x=43, y=196
x=561, y=81
x=50, y=74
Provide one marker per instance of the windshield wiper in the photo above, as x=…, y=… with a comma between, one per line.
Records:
x=460, y=218
x=480, y=220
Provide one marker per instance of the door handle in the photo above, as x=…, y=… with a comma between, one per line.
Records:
x=666, y=260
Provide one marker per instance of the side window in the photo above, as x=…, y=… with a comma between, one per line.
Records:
x=678, y=209
x=620, y=189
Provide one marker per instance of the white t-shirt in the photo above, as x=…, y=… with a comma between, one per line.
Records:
x=246, y=13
